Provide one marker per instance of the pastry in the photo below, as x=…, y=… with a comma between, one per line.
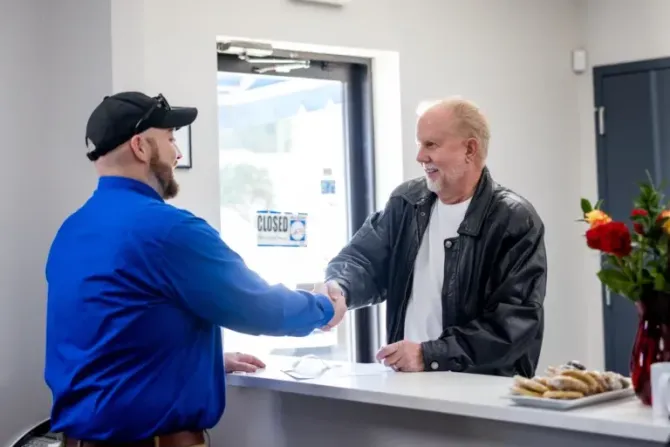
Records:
x=567, y=383
x=551, y=371
x=613, y=381
x=563, y=395
x=602, y=382
x=543, y=380
x=590, y=382
x=625, y=383
x=520, y=391
x=529, y=384
x=555, y=370
x=616, y=381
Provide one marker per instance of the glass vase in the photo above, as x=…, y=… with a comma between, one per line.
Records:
x=652, y=341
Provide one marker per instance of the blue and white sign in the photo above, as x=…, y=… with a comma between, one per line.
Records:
x=277, y=229
x=327, y=186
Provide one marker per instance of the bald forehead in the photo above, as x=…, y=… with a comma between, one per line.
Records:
x=439, y=117
x=437, y=112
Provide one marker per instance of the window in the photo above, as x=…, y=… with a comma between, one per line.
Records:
x=295, y=136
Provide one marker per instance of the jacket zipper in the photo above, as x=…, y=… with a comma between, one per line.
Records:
x=405, y=302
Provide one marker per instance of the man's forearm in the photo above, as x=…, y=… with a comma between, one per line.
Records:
x=361, y=267
x=486, y=343
x=214, y=282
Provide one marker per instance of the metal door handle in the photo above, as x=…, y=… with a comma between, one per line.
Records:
x=601, y=120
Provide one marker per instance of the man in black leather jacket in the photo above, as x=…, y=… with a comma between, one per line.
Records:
x=459, y=259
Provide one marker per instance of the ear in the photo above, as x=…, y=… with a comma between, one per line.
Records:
x=140, y=148
x=471, y=149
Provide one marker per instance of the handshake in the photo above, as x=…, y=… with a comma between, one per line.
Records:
x=333, y=291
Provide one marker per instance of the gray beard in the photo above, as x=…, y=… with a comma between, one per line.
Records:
x=453, y=176
x=433, y=186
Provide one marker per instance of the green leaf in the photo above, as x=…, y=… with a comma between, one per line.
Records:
x=598, y=204
x=616, y=281
x=586, y=206
x=659, y=282
x=649, y=177
x=657, y=276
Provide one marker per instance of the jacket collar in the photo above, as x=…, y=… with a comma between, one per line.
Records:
x=479, y=206
x=420, y=195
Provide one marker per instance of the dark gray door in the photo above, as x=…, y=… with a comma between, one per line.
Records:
x=633, y=136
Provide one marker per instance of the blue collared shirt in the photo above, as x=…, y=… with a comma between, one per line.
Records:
x=137, y=292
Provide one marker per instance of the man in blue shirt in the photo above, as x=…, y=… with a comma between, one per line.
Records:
x=138, y=291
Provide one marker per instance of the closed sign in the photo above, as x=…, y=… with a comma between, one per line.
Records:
x=277, y=229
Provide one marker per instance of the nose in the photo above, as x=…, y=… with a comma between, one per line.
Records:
x=421, y=156
x=178, y=156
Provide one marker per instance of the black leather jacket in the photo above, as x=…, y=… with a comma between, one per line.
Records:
x=495, y=277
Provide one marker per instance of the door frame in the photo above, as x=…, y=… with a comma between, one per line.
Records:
x=601, y=72
x=356, y=75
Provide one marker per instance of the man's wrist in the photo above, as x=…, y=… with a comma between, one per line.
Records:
x=338, y=287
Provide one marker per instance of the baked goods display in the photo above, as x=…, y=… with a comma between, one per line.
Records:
x=568, y=382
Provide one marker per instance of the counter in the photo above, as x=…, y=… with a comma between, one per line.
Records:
x=366, y=405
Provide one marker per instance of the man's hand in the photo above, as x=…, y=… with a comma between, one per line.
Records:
x=238, y=362
x=403, y=356
x=333, y=291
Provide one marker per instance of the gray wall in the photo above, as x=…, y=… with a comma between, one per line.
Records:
x=55, y=63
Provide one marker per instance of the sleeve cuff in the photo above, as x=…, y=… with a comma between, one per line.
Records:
x=326, y=306
x=436, y=357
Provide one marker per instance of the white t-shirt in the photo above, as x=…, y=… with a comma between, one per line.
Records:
x=423, y=321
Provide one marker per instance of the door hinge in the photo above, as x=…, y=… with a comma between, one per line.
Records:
x=600, y=111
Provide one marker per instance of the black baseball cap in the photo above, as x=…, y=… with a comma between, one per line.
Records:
x=121, y=116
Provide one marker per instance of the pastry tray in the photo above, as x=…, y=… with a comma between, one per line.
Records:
x=557, y=404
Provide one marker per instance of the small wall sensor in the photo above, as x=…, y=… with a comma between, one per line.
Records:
x=579, y=64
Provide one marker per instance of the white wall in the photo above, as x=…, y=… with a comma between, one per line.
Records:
x=55, y=65
x=511, y=56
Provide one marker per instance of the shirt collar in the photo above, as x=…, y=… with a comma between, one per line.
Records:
x=107, y=183
x=477, y=209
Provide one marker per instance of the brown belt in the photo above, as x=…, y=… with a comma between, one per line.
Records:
x=180, y=439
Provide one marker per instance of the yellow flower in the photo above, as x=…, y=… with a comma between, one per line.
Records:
x=666, y=224
x=598, y=217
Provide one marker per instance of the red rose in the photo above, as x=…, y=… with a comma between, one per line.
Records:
x=637, y=226
x=613, y=238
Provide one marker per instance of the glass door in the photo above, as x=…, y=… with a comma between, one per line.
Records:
x=282, y=144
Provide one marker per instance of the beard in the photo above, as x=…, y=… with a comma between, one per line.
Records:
x=164, y=174
x=449, y=177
